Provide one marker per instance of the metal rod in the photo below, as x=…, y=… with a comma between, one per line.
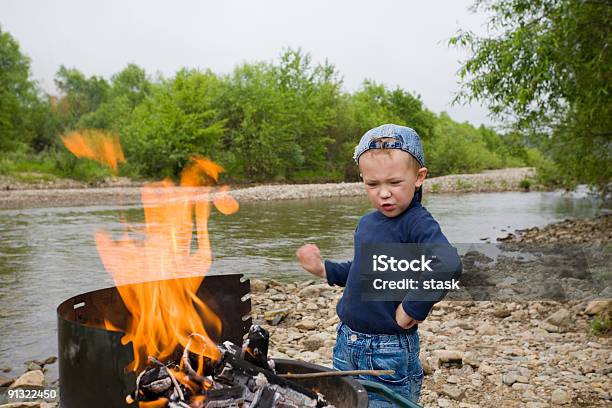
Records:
x=337, y=373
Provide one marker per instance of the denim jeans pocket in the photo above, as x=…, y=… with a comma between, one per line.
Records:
x=398, y=359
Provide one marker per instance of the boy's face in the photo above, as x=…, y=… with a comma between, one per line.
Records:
x=390, y=180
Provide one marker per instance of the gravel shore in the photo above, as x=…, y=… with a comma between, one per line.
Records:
x=123, y=192
x=533, y=354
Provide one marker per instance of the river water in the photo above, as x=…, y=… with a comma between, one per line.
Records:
x=48, y=254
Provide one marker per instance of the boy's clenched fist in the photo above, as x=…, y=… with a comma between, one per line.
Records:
x=310, y=259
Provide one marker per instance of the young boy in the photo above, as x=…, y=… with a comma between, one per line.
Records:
x=382, y=334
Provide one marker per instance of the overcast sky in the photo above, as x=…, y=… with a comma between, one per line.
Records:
x=396, y=42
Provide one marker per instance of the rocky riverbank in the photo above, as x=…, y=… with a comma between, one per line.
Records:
x=122, y=192
x=34, y=378
x=475, y=354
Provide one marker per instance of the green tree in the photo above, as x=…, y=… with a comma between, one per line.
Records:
x=280, y=118
x=128, y=89
x=80, y=95
x=259, y=136
x=178, y=120
x=311, y=94
x=131, y=83
x=546, y=67
x=18, y=96
x=457, y=148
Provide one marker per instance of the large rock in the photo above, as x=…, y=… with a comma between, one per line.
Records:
x=313, y=291
x=551, y=328
x=597, y=306
x=306, y=324
x=274, y=317
x=448, y=356
x=31, y=379
x=560, y=318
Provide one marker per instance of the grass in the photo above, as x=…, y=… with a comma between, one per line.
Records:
x=525, y=184
x=463, y=185
x=29, y=177
x=434, y=188
x=601, y=325
x=26, y=167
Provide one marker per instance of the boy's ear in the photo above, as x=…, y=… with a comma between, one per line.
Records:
x=421, y=174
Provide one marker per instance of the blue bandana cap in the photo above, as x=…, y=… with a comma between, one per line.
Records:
x=405, y=139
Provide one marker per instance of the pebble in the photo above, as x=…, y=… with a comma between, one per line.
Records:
x=453, y=379
x=452, y=391
x=258, y=286
x=471, y=358
x=32, y=366
x=560, y=397
x=487, y=329
x=509, y=378
x=444, y=403
x=315, y=341
x=5, y=381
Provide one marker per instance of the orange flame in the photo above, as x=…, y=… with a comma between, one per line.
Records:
x=96, y=145
x=165, y=312
x=174, y=243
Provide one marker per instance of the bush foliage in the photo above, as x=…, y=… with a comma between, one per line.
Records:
x=283, y=121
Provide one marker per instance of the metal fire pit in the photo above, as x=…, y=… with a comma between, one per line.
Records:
x=92, y=360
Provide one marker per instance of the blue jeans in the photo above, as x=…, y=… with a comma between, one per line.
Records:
x=359, y=351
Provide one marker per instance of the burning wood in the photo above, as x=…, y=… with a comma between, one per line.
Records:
x=240, y=378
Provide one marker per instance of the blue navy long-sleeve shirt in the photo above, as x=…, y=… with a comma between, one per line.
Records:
x=415, y=225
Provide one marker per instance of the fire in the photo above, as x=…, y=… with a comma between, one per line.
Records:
x=174, y=243
x=96, y=145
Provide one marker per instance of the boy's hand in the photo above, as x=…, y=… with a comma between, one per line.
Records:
x=310, y=259
x=403, y=319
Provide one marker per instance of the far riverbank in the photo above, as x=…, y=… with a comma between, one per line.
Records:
x=71, y=193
